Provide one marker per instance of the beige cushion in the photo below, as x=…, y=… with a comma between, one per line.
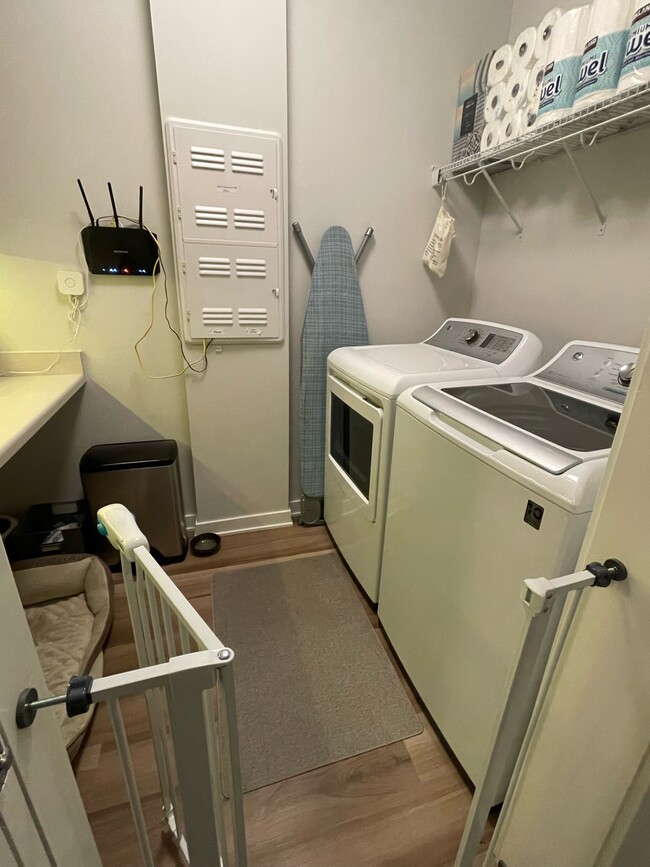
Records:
x=68, y=605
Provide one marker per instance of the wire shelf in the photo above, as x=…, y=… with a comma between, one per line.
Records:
x=621, y=113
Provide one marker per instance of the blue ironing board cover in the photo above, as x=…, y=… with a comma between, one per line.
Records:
x=335, y=317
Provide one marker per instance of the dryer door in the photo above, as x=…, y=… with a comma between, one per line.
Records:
x=354, y=430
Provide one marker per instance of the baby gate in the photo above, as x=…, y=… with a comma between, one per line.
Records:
x=187, y=676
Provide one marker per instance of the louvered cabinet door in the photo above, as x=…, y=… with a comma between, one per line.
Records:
x=227, y=192
x=235, y=291
x=226, y=188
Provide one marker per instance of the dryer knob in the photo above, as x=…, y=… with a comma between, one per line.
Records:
x=625, y=373
x=472, y=335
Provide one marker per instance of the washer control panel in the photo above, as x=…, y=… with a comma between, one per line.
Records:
x=476, y=339
x=600, y=369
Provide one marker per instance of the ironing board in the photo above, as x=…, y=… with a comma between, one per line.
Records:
x=335, y=317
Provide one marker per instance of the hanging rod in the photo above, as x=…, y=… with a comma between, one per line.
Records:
x=309, y=256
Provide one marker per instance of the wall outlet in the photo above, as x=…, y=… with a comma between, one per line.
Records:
x=70, y=282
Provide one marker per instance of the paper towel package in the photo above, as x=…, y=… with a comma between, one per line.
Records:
x=491, y=135
x=544, y=33
x=516, y=88
x=604, y=49
x=523, y=51
x=494, y=102
x=500, y=65
x=563, y=67
x=470, y=111
x=636, y=60
x=510, y=127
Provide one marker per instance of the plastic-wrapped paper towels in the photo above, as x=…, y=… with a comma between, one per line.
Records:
x=491, y=135
x=636, y=60
x=605, y=43
x=563, y=66
x=494, y=102
x=544, y=33
x=500, y=65
x=523, y=51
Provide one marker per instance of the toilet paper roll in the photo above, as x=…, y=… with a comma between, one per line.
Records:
x=510, y=127
x=494, y=102
x=500, y=66
x=535, y=79
x=523, y=51
x=516, y=89
x=636, y=60
x=605, y=43
x=563, y=66
x=491, y=135
x=544, y=32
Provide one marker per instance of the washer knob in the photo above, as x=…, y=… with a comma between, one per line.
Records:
x=625, y=373
x=472, y=335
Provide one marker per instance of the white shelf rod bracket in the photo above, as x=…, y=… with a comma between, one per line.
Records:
x=506, y=207
x=602, y=217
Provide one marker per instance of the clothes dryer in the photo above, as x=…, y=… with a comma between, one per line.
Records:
x=363, y=384
x=491, y=482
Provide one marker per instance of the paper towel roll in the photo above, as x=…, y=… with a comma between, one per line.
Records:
x=604, y=49
x=535, y=79
x=494, y=102
x=563, y=66
x=529, y=118
x=544, y=31
x=500, y=66
x=491, y=135
x=636, y=60
x=516, y=88
x=523, y=51
x=510, y=127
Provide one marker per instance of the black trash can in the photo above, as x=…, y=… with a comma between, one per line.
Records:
x=144, y=477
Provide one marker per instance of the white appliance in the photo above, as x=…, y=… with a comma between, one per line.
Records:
x=363, y=384
x=491, y=483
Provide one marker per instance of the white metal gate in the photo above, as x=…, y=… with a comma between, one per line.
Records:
x=187, y=677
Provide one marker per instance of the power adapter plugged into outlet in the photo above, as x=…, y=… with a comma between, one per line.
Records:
x=70, y=282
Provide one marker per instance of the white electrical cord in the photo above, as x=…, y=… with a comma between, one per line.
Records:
x=74, y=318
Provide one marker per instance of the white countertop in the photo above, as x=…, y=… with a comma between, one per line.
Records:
x=27, y=402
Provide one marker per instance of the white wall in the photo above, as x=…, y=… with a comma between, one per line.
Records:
x=371, y=105
x=564, y=280
x=372, y=97
x=79, y=100
x=226, y=63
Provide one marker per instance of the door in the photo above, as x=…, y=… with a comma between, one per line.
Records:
x=582, y=798
x=354, y=428
x=42, y=819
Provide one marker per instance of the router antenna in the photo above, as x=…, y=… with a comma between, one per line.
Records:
x=140, y=209
x=83, y=193
x=110, y=193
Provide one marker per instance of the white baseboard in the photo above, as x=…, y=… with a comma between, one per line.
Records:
x=228, y=526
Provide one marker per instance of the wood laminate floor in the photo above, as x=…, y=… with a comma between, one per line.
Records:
x=403, y=805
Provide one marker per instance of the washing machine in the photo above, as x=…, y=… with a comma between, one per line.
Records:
x=491, y=482
x=363, y=384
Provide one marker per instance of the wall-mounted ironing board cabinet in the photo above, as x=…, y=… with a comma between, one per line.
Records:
x=27, y=402
x=622, y=113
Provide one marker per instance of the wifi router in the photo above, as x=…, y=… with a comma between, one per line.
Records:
x=118, y=250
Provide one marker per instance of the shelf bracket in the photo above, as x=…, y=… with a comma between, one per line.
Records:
x=602, y=218
x=504, y=204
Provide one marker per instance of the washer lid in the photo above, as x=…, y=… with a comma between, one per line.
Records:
x=550, y=429
x=391, y=369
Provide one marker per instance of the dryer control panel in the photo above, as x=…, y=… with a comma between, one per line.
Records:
x=477, y=339
x=601, y=369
